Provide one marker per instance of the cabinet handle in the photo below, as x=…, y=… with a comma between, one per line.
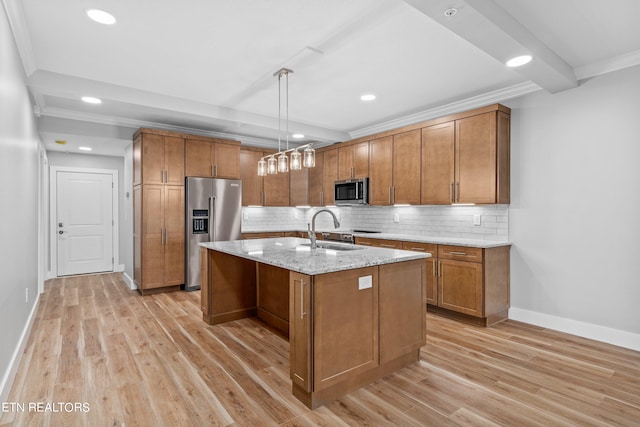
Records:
x=166, y=176
x=162, y=176
x=451, y=193
x=458, y=253
x=435, y=268
x=387, y=246
x=390, y=196
x=302, y=312
x=416, y=249
x=321, y=198
x=457, y=192
x=439, y=269
x=393, y=194
x=353, y=172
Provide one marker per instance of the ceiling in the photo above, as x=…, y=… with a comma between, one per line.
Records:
x=207, y=67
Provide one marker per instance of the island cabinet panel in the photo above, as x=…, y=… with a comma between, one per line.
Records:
x=345, y=325
x=234, y=294
x=300, y=334
x=400, y=285
x=273, y=297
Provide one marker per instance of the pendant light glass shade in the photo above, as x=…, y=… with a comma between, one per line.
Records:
x=309, y=157
x=283, y=163
x=296, y=160
x=272, y=166
x=262, y=167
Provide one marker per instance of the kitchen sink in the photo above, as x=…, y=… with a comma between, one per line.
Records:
x=334, y=246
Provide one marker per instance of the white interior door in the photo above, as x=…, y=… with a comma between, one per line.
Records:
x=84, y=222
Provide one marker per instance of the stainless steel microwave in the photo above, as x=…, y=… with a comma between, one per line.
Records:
x=351, y=192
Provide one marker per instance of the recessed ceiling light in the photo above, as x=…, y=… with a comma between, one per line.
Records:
x=85, y=148
x=519, y=60
x=91, y=100
x=450, y=12
x=298, y=135
x=101, y=16
x=368, y=97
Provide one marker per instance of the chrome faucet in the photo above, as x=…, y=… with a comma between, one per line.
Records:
x=312, y=227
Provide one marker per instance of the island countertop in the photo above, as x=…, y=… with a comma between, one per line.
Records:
x=292, y=254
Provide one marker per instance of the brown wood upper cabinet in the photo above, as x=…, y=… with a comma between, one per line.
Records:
x=395, y=169
x=212, y=159
x=466, y=160
x=353, y=161
x=316, y=176
x=158, y=159
x=252, y=184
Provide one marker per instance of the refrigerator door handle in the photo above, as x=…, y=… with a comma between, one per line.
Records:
x=212, y=218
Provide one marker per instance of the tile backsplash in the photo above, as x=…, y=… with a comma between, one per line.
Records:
x=448, y=221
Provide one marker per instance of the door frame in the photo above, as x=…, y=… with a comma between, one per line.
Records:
x=53, y=198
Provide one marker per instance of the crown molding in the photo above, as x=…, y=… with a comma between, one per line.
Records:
x=609, y=65
x=452, y=108
x=15, y=15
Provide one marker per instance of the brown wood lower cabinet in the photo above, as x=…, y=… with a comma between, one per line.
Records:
x=467, y=283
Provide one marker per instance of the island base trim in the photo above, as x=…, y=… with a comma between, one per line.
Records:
x=153, y=291
x=214, y=319
x=466, y=318
x=314, y=400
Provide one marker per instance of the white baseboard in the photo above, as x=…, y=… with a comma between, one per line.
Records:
x=129, y=281
x=10, y=374
x=617, y=337
x=118, y=268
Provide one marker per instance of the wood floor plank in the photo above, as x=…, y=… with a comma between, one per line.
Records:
x=152, y=361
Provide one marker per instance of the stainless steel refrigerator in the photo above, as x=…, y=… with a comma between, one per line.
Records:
x=213, y=213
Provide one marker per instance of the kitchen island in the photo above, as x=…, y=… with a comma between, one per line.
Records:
x=353, y=314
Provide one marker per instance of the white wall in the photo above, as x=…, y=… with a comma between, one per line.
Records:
x=20, y=150
x=575, y=205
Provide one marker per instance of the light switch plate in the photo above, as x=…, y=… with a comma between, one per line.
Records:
x=396, y=217
x=365, y=282
x=245, y=215
x=476, y=220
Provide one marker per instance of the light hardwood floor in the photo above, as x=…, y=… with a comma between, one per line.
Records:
x=152, y=361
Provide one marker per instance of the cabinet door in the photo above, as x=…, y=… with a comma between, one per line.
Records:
x=299, y=187
x=137, y=235
x=345, y=162
x=152, y=159
x=174, y=160
x=460, y=287
x=198, y=158
x=476, y=159
x=276, y=189
x=361, y=160
x=152, y=236
x=251, y=182
x=300, y=330
x=315, y=181
x=402, y=321
x=345, y=326
x=431, y=268
x=438, y=148
x=174, y=235
x=329, y=176
x=406, y=168
x=380, y=171
x=226, y=161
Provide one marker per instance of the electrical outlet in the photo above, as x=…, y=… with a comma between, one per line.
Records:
x=245, y=215
x=476, y=220
x=396, y=217
x=26, y=295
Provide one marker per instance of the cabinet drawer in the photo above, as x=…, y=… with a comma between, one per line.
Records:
x=265, y=235
x=421, y=247
x=382, y=243
x=461, y=253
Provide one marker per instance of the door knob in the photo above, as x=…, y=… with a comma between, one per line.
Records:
x=60, y=232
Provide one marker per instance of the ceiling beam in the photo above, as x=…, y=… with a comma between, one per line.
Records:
x=489, y=27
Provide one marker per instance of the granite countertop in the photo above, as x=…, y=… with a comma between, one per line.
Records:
x=290, y=253
x=439, y=240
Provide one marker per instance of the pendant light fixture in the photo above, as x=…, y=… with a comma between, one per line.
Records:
x=279, y=162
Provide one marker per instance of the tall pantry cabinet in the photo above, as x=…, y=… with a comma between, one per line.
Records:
x=158, y=200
